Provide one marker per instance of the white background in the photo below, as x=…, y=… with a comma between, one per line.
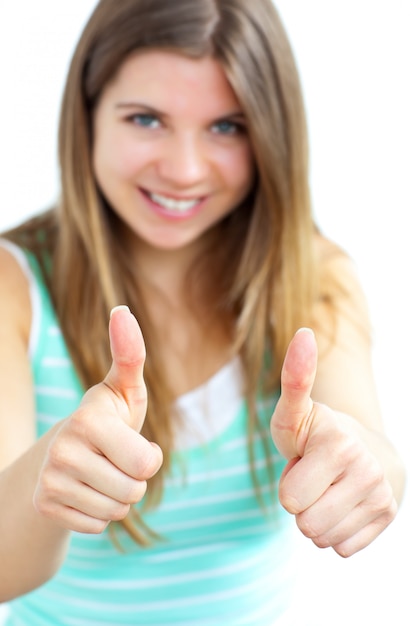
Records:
x=354, y=59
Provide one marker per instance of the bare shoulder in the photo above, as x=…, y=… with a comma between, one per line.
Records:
x=342, y=297
x=334, y=261
x=16, y=390
x=342, y=325
x=14, y=295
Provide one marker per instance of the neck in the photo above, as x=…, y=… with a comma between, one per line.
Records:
x=167, y=271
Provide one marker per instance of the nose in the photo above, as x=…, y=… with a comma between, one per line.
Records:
x=184, y=162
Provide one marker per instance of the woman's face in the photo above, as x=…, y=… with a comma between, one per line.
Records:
x=171, y=152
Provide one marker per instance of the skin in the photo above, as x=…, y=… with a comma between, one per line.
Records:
x=343, y=479
x=334, y=482
x=158, y=131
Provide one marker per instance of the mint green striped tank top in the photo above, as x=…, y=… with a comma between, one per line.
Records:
x=223, y=559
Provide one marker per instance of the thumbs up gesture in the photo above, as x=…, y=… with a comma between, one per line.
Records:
x=97, y=463
x=333, y=483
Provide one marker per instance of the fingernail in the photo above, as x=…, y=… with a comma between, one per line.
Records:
x=120, y=307
x=304, y=329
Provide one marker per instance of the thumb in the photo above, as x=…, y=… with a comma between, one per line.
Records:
x=291, y=419
x=125, y=377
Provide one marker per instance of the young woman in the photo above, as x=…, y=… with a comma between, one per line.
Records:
x=151, y=472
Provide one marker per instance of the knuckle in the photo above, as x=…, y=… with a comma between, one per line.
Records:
x=58, y=454
x=143, y=467
x=389, y=516
x=40, y=503
x=393, y=508
x=119, y=512
x=344, y=551
x=49, y=488
x=289, y=502
x=46, y=506
x=387, y=502
x=148, y=462
x=81, y=422
x=387, y=505
x=288, y=498
x=382, y=501
x=350, y=449
x=374, y=476
x=140, y=491
x=98, y=527
x=322, y=541
x=136, y=492
x=311, y=528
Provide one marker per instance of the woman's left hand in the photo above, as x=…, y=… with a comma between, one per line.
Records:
x=334, y=483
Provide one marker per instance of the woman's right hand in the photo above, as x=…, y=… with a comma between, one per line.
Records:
x=97, y=464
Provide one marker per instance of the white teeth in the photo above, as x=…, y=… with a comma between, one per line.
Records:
x=173, y=205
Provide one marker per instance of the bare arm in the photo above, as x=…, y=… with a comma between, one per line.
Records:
x=345, y=380
x=84, y=472
x=31, y=547
x=344, y=478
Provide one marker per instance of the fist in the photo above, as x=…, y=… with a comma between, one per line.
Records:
x=97, y=463
x=333, y=482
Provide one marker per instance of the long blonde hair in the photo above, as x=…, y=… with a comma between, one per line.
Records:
x=266, y=275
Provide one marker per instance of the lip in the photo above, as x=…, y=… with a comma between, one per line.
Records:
x=169, y=214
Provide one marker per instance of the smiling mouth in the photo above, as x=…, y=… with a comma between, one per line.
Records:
x=171, y=204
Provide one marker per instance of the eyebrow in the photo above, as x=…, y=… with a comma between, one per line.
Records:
x=142, y=105
x=139, y=105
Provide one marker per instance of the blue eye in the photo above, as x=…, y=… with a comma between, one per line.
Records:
x=145, y=120
x=226, y=127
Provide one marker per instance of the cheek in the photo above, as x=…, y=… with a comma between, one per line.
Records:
x=239, y=169
x=116, y=156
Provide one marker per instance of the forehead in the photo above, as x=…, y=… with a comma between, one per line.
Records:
x=162, y=78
